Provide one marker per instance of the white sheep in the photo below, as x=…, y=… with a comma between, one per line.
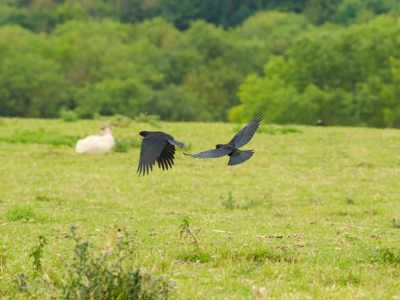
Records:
x=97, y=143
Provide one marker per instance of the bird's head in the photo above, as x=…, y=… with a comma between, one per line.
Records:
x=144, y=133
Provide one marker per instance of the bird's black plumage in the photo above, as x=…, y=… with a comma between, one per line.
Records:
x=156, y=146
x=231, y=149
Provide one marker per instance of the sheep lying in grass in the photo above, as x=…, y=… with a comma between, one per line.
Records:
x=97, y=143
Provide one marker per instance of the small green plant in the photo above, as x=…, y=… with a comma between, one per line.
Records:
x=395, y=223
x=262, y=254
x=229, y=202
x=20, y=213
x=124, y=144
x=43, y=198
x=37, y=254
x=350, y=201
x=21, y=280
x=150, y=119
x=3, y=259
x=274, y=130
x=186, y=232
x=386, y=256
x=195, y=256
x=68, y=115
x=247, y=204
x=121, y=121
x=110, y=275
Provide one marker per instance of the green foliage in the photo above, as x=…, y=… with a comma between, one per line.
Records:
x=110, y=275
x=186, y=232
x=194, y=256
x=3, y=259
x=149, y=119
x=233, y=58
x=40, y=136
x=37, y=254
x=68, y=115
x=273, y=130
x=395, y=223
x=31, y=86
x=125, y=144
x=231, y=203
x=20, y=213
x=343, y=77
x=390, y=256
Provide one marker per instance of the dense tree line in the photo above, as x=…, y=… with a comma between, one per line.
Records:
x=106, y=67
x=347, y=76
x=46, y=14
x=202, y=60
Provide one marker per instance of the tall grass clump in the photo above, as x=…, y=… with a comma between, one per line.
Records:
x=125, y=144
x=20, y=213
x=149, y=119
x=68, y=115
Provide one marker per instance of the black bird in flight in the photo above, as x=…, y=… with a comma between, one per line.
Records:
x=231, y=149
x=156, y=146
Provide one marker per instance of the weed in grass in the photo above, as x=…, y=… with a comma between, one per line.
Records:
x=230, y=203
x=395, y=223
x=386, y=256
x=195, y=256
x=40, y=136
x=3, y=259
x=343, y=279
x=350, y=201
x=121, y=121
x=153, y=120
x=110, y=275
x=21, y=280
x=186, y=232
x=37, y=253
x=247, y=204
x=68, y=115
x=275, y=130
x=20, y=213
x=124, y=144
x=261, y=255
x=349, y=279
x=48, y=198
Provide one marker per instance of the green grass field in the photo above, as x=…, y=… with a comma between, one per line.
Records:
x=315, y=214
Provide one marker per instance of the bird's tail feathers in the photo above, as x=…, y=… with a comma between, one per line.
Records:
x=240, y=156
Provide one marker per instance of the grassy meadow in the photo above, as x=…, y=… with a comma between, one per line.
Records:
x=315, y=214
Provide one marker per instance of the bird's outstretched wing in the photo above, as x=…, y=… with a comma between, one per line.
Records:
x=166, y=158
x=239, y=157
x=214, y=153
x=246, y=133
x=150, y=151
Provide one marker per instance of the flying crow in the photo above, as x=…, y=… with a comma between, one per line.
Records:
x=156, y=146
x=231, y=149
